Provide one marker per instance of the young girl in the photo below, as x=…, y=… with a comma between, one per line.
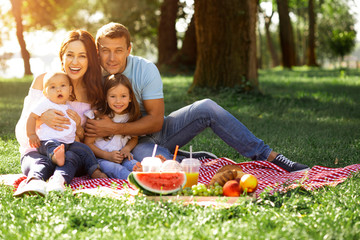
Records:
x=121, y=106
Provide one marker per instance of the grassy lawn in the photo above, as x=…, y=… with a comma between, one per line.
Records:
x=311, y=116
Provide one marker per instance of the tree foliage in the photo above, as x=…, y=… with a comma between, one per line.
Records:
x=40, y=14
x=141, y=17
x=336, y=33
x=342, y=42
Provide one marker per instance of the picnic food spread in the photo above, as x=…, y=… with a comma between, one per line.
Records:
x=172, y=179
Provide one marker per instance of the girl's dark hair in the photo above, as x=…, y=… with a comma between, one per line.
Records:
x=92, y=78
x=113, y=81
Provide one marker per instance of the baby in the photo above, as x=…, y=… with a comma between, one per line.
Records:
x=57, y=91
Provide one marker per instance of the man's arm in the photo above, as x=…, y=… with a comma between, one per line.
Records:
x=145, y=125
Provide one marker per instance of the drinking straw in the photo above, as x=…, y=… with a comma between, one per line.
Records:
x=154, y=151
x=176, y=150
x=190, y=151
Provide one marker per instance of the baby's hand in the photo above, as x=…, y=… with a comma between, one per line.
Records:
x=34, y=141
x=116, y=157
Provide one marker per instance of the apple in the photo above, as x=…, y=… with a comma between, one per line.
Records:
x=231, y=189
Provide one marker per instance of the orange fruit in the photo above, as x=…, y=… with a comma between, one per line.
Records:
x=248, y=183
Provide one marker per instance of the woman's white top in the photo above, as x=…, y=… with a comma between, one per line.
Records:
x=116, y=142
x=30, y=100
x=45, y=132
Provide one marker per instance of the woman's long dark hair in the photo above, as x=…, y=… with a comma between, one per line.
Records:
x=113, y=81
x=92, y=78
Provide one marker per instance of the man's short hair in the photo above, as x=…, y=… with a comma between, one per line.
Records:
x=113, y=30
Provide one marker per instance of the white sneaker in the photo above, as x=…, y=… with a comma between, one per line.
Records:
x=33, y=187
x=56, y=184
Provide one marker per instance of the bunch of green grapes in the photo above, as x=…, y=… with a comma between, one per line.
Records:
x=201, y=190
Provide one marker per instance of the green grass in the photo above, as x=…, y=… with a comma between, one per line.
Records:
x=311, y=116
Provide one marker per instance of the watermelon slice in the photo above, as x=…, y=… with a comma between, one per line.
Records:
x=158, y=183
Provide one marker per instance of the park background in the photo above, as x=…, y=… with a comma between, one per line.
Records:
x=159, y=31
x=307, y=110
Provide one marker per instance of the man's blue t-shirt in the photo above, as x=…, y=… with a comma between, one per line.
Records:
x=145, y=80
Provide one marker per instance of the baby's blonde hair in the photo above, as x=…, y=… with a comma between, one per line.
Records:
x=50, y=75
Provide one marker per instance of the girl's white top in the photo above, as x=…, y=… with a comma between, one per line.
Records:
x=45, y=132
x=116, y=142
x=30, y=100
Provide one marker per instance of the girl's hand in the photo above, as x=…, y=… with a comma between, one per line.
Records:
x=125, y=153
x=55, y=119
x=34, y=141
x=115, y=157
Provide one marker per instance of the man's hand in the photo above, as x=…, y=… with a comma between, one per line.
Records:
x=55, y=119
x=99, y=128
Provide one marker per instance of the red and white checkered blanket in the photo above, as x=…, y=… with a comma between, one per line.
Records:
x=268, y=174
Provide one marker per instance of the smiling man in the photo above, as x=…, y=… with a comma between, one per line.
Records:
x=113, y=42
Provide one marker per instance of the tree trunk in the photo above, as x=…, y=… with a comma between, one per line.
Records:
x=311, y=60
x=252, y=74
x=259, y=50
x=16, y=9
x=226, y=44
x=167, y=42
x=286, y=35
x=186, y=57
x=270, y=44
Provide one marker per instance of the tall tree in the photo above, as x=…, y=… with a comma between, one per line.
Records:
x=16, y=10
x=274, y=56
x=311, y=57
x=167, y=40
x=38, y=14
x=226, y=44
x=185, y=58
x=286, y=35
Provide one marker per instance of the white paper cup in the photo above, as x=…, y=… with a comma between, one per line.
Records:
x=151, y=164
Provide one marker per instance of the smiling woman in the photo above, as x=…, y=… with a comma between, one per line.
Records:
x=78, y=56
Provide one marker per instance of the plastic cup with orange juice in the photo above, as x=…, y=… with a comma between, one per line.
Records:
x=191, y=168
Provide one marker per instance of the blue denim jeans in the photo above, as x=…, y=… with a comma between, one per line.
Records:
x=117, y=170
x=181, y=126
x=79, y=160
